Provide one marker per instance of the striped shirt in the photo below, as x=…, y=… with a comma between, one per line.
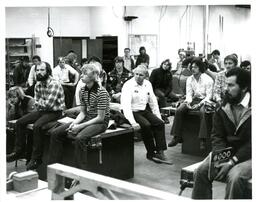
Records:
x=49, y=96
x=94, y=99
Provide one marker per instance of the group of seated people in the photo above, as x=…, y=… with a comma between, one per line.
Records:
x=227, y=93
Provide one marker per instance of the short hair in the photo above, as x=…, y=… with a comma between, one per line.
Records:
x=142, y=48
x=47, y=67
x=187, y=61
x=181, y=50
x=119, y=59
x=94, y=58
x=61, y=58
x=215, y=52
x=169, y=63
x=231, y=57
x=93, y=68
x=143, y=68
x=127, y=49
x=201, y=65
x=243, y=77
x=36, y=57
x=245, y=63
x=84, y=60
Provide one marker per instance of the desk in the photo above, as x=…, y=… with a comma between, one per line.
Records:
x=117, y=155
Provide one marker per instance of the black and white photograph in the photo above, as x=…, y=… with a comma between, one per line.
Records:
x=126, y=100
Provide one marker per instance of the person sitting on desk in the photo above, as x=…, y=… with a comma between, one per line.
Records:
x=117, y=77
x=49, y=103
x=62, y=73
x=198, y=91
x=161, y=80
x=136, y=94
x=92, y=120
x=231, y=128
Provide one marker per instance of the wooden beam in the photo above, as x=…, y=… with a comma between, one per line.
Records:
x=94, y=183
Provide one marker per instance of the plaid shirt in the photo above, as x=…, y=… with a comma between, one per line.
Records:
x=115, y=82
x=220, y=86
x=49, y=96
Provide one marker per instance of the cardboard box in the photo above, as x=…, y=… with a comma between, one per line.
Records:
x=25, y=181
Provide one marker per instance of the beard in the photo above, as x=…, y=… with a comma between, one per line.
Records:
x=233, y=100
x=40, y=77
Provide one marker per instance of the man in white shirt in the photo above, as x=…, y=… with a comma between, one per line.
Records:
x=63, y=73
x=136, y=94
x=198, y=90
x=128, y=61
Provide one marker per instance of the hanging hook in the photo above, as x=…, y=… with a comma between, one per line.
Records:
x=50, y=32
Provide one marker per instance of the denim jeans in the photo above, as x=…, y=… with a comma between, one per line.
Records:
x=236, y=179
x=59, y=135
x=39, y=118
x=152, y=130
x=181, y=112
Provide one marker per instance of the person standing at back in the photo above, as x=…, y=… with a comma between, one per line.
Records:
x=143, y=57
x=21, y=72
x=128, y=61
x=49, y=103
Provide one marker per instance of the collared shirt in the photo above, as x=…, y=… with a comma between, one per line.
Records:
x=116, y=81
x=94, y=99
x=220, y=86
x=128, y=63
x=201, y=89
x=62, y=74
x=239, y=109
x=135, y=97
x=49, y=96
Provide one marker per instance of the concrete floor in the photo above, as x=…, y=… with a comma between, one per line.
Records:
x=159, y=176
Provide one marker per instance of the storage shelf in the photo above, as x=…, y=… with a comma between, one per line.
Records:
x=19, y=54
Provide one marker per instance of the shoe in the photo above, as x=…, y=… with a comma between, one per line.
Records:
x=150, y=156
x=13, y=157
x=202, y=145
x=160, y=156
x=34, y=164
x=175, y=141
x=165, y=118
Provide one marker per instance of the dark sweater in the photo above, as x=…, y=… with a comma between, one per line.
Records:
x=226, y=134
x=161, y=79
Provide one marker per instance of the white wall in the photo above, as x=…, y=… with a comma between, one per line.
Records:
x=236, y=37
x=98, y=21
x=23, y=22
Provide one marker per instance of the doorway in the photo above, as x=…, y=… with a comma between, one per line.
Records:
x=62, y=45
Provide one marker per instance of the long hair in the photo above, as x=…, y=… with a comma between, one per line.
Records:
x=16, y=91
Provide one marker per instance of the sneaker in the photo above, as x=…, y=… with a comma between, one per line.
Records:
x=13, y=157
x=34, y=164
x=175, y=141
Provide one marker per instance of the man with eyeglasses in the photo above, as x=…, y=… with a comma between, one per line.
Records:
x=137, y=93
